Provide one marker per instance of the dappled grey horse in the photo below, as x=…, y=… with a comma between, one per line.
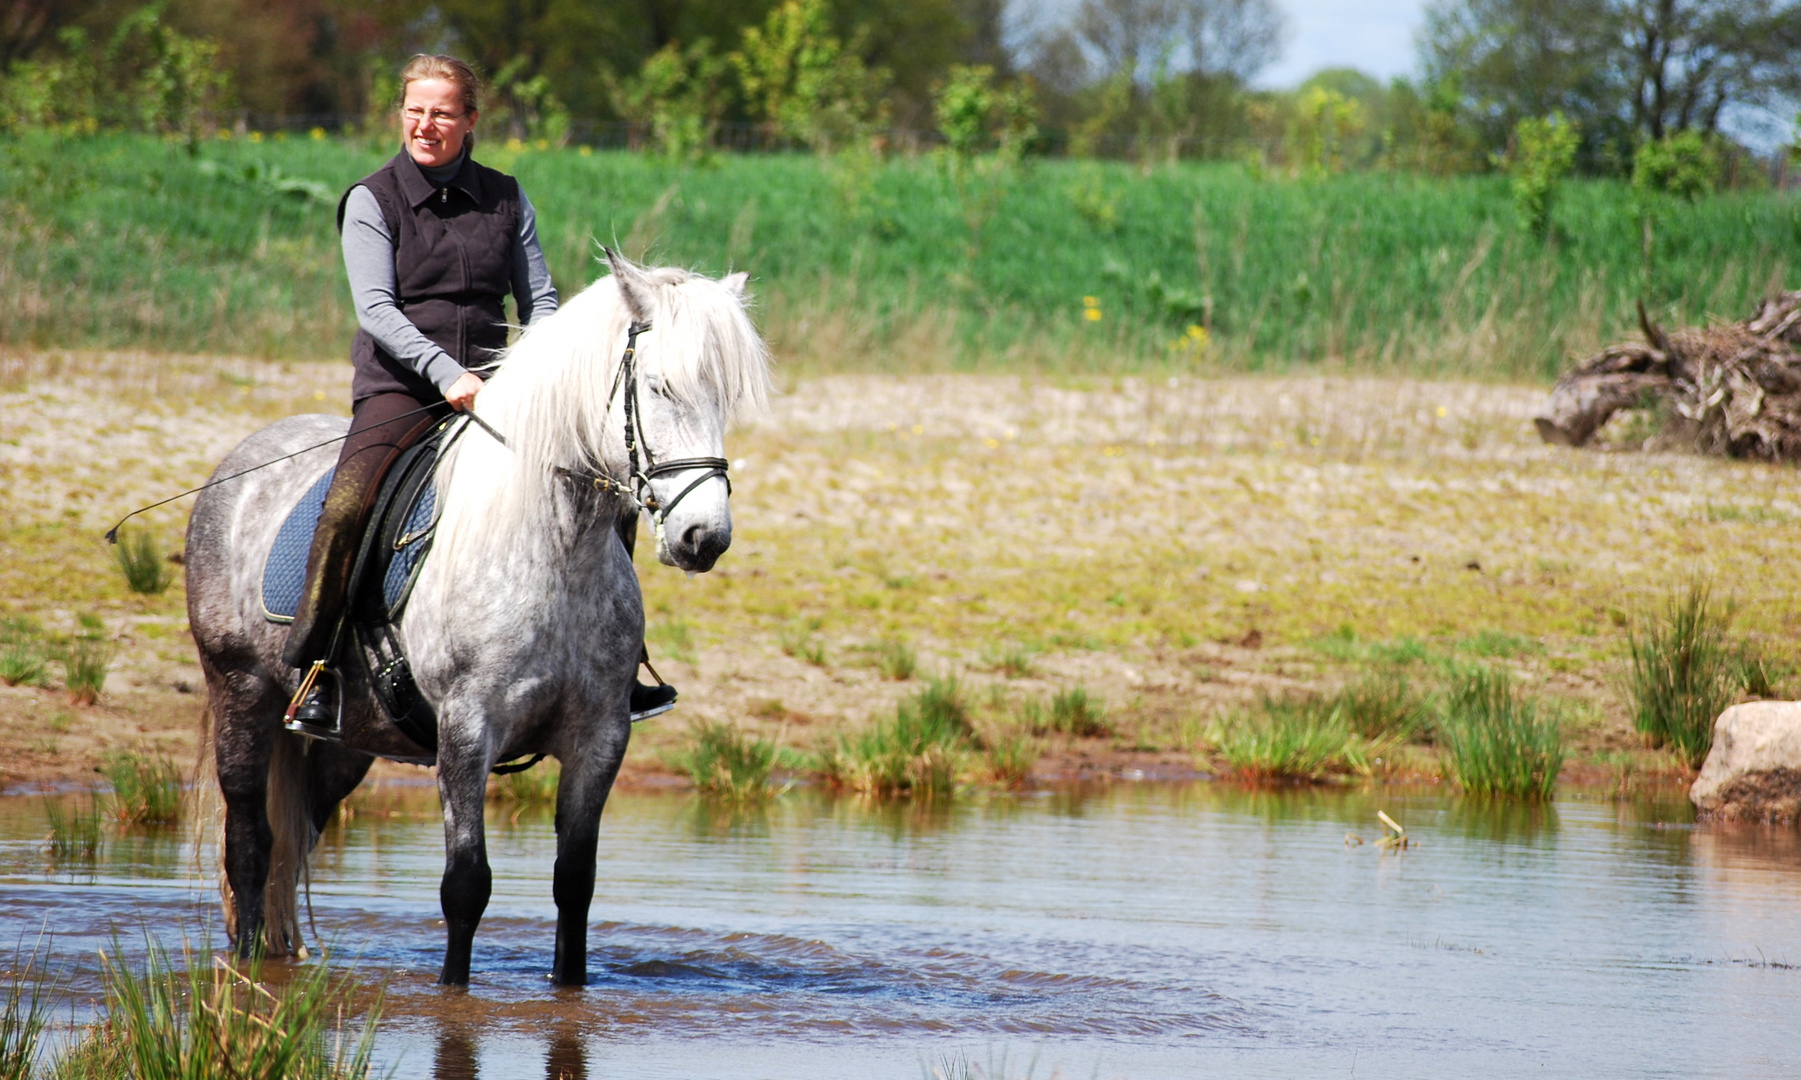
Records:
x=525, y=623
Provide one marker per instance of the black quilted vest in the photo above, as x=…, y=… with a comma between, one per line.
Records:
x=453, y=262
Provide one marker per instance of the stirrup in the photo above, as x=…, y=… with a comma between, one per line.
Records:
x=649, y=701
x=308, y=713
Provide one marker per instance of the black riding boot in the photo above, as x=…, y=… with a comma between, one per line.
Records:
x=647, y=701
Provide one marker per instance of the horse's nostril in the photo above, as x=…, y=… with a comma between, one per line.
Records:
x=694, y=536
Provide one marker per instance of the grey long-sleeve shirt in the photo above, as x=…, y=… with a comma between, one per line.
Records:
x=369, y=263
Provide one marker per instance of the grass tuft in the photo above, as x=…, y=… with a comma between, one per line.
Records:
x=1499, y=742
x=918, y=752
x=141, y=559
x=1383, y=706
x=1013, y=661
x=728, y=762
x=74, y=830
x=1077, y=712
x=146, y=791
x=895, y=659
x=85, y=663
x=214, y=1022
x=1289, y=739
x=800, y=640
x=22, y=660
x=1682, y=672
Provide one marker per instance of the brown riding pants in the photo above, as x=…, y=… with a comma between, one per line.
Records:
x=380, y=428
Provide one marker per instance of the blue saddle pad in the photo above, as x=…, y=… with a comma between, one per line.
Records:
x=284, y=571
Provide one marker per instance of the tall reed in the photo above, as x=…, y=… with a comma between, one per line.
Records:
x=24, y=1014
x=1497, y=741
x=74, y=832
x=1682, y=672
x=205, y=1019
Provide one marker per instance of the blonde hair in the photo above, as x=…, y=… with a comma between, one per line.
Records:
x=448, y=68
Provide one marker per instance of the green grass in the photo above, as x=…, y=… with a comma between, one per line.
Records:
x=74, y=828
x=85, y=663
x=1497, y=741
x=141, y=560
x=203, y=1019
x=1681, y=674
x=725, y=761
x=146, y=790
x=917, y=752
x=532, y=786
x=128, y=241
x=1289, y=739
x=674, y=637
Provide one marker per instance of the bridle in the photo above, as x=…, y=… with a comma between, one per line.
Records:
x=635, y=489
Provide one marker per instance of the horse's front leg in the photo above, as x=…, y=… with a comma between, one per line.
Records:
x=462, y=788
x=581, y=795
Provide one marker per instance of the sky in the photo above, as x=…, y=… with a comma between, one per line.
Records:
x=1373, y=36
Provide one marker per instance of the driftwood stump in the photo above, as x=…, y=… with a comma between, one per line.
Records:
x=1732, y=388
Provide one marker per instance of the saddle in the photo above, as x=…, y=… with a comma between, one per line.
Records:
x=392, y=551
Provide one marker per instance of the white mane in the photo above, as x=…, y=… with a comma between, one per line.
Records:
x=550, y=396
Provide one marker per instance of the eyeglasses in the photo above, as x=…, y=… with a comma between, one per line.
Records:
x=438, y=116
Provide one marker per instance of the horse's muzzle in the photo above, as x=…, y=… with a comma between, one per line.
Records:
x=695, y=548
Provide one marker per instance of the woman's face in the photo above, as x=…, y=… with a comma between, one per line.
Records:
x=433, y=122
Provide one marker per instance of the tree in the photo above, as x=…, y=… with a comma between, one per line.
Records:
x=1627, y=71
x=1237, y=38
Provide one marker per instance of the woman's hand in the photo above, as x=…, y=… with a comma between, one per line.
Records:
x=462, y=393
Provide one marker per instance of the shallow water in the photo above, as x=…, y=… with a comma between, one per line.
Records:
x=1130, y=931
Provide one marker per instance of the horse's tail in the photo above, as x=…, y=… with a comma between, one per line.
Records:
x=292, y=825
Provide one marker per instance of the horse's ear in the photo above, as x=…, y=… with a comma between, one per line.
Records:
x=735, y=283
x=633, y=285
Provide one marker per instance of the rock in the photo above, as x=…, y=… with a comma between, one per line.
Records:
x=1754, y=769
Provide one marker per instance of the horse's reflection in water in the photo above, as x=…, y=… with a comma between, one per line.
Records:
x=455, y=1056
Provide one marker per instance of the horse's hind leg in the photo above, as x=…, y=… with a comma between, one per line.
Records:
x=244, y=711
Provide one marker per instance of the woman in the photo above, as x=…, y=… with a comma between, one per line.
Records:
x=433, y=243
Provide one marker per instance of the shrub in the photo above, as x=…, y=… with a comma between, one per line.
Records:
x=1681, y=674
x=729, y=762
x=141, y=560
x=1289, y=739
x=1544, y=151
x=917, y=752
x=1499, y=742
x=146, y=791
